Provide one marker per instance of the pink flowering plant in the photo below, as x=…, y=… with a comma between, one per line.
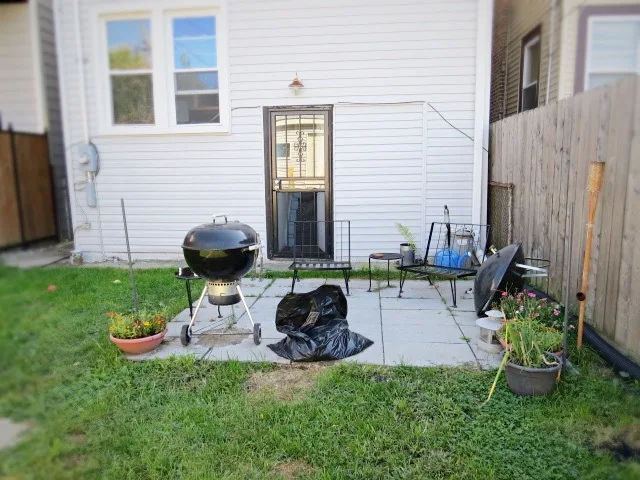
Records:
x=140, y=325
x=528, y=305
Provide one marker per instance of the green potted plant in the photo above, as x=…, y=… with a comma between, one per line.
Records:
x=407, y=248
x=529, y=366
x=528, y=305
x=137, y=333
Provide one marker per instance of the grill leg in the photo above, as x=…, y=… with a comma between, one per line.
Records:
x=188, y=286
x=193, y=318
x=369, y=275
x=453, y=292
x=244, y=303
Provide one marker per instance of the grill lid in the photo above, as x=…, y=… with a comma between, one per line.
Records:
x=497, y=274
x=220, y=235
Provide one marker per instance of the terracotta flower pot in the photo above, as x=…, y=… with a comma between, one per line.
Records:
x=136, y=346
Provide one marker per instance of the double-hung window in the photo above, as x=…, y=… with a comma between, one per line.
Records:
x=613, y=49
x=130, y=71
x=162, y=70
x=530, y=71
x=195, y=70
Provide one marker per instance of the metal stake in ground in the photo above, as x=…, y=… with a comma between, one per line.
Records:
x=134, y=292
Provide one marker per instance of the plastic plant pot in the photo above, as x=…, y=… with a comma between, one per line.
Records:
x=528, y=381
x=136, y=346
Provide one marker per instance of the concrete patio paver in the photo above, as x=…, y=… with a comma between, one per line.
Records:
x=422, y=334
x=427, y=318
x=418, y=329
x=428, y=354
x=464, y=318
x=10, y=432
x=408, y=303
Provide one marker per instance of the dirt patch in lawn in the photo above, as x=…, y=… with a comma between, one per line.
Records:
x=292, y=470
x=287, y=382
x=229, y=337
x=624, y=444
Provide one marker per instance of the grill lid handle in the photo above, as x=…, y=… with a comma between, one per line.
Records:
x=219, y=215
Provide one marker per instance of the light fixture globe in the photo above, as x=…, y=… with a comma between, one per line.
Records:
x=296, y=85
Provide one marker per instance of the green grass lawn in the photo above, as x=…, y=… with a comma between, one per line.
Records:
x=97, y=415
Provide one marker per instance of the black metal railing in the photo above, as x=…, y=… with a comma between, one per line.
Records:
x=321, y=241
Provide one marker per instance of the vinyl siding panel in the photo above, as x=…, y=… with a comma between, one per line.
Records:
x=524, y=16
x=392, y=163
x=18, y=80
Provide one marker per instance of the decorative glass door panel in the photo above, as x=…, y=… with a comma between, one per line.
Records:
x=299, y=171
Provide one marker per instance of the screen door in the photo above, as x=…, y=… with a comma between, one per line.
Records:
x=299, y=175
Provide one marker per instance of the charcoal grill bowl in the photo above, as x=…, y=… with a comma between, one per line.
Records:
x=221, y=265
x=221, y=251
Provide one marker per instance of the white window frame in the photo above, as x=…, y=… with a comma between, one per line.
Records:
x=160, y=13
x=587, y=64
x=526, y=51
x=525, y=67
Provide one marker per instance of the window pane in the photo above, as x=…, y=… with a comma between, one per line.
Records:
x=197, y=108
x=196, y=81
x=531, y=64
x=614, y=46
x=132, y=99
x=530, y=97
x=129, y=43
x=194, y=42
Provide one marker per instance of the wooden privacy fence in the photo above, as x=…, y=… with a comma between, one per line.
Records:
x=545, y=154
x=26, y=189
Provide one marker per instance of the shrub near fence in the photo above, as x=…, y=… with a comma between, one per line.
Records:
x=545, y=153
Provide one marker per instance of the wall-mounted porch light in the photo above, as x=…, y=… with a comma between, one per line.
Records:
x=296, y=85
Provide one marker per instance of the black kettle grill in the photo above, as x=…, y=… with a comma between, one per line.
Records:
x=504, y=271
x=221, y=253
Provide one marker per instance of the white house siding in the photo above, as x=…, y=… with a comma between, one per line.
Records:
x=18, y=76
x=387, y=158
x=46, y=32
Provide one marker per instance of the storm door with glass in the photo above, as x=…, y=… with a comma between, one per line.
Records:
x=299, y=181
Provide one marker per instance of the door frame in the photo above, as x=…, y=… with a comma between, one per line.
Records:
x=268, y=162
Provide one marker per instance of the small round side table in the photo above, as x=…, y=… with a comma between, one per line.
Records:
x=383, y=256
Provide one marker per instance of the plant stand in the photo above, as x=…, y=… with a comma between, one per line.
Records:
x=383, y=256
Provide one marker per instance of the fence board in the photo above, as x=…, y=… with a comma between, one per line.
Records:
x=32, y=154
x=612, y=212
x=627, y=317
x=546, y=153
x=30, y=209
x=10, y=224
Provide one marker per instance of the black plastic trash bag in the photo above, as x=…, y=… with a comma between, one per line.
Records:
x=316, y=327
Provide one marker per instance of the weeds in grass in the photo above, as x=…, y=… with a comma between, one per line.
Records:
x=98, y=415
